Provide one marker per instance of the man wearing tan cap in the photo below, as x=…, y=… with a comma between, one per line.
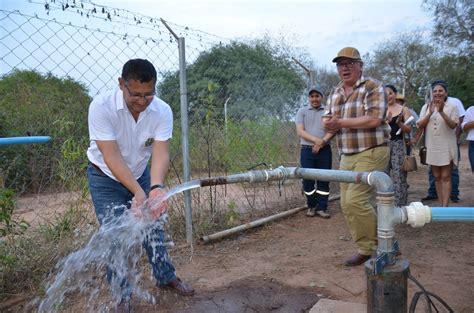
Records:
x=355, y=113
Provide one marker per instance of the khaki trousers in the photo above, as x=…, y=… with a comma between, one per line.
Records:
x=356, y=204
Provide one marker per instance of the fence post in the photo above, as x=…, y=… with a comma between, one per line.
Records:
x=183, y=90
x=184, y=138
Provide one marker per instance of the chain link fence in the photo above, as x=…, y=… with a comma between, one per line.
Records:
x=79, y=49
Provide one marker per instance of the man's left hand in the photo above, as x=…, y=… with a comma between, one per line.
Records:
x=157, y=205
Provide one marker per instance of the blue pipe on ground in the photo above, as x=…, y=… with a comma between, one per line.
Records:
x=6, y=141
x=452, y=214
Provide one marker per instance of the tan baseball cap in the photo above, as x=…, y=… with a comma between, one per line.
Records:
x=347, y=52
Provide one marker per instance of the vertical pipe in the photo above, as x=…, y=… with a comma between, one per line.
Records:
x=184, y=138
x=387, y=291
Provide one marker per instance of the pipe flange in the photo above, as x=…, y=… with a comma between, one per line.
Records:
x=418, y=214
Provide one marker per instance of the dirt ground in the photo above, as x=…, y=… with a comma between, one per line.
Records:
x=288, y=265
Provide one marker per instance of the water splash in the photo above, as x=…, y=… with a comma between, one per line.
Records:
x=117, y=246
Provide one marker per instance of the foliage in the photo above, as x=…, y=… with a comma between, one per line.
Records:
x=250, y=77
x=457, y=71
x=35, y=104
x=405, y=62
x=453, y=28
x=8, y=226
x=28, y=258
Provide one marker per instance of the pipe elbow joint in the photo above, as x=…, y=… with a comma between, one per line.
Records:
x=381, y=181
x=418, y=214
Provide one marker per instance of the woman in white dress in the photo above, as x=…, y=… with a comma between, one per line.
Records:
x=439, y=120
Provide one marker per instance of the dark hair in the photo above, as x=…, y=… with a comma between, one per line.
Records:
x=139, y=69
x=441, y=83
x=391, y=87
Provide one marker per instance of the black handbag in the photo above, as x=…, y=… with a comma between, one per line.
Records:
x=423, y=155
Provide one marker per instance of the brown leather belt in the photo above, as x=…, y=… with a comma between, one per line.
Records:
x=97, y=168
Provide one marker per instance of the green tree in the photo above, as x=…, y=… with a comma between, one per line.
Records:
x=405, y=62
x=453, y=24
x=250, y=78
x=457, y=71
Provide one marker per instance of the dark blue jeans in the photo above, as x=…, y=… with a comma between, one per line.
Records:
x=316, y=197
x=111, y=199
x=454, y=181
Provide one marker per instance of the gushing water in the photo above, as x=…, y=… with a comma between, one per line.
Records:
x=117, y=248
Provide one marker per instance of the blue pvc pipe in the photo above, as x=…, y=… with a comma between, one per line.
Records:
x=452, y=214
x=6, y=141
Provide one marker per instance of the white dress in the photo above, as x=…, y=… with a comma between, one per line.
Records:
x=440, y=140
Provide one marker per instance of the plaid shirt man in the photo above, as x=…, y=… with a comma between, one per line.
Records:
x=367, y=99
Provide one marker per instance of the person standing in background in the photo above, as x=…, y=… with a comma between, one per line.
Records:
x=454, y=197
x=468, y=126
x=400, y=99
x=439, y=120
x=314, y=152
x=396, y=116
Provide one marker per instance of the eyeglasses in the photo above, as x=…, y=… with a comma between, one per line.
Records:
x=348, y=64
x=138, y=96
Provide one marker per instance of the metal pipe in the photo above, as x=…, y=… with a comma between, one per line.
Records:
x=452, y=214
x=23, y=140
x=387, y=215
x=240, y=228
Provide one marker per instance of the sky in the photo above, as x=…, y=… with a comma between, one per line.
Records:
x=321, y=27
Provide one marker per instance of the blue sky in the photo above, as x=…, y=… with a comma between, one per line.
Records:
x=321, y=27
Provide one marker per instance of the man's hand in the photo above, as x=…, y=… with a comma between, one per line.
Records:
x=316, y=148
x=138, y=202
x=332, y=125
x=157, y=203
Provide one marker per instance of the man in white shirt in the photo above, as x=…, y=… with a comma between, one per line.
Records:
x=127, y=127
x=468, y=126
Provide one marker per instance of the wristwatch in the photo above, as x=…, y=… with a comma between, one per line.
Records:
x=159, y=186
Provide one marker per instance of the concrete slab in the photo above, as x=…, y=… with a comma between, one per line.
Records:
x=335, y=306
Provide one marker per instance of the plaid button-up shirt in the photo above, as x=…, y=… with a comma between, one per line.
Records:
x=367, y=99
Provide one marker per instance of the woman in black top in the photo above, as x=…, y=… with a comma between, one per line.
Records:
x=396, y=116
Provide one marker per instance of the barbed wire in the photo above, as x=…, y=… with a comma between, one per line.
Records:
x=125, y=17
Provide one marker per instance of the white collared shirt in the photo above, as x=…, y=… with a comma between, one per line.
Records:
x=110, y=119
x=458, y=104
x=469, y=118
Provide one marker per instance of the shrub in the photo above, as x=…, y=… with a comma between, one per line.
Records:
x=40, y=105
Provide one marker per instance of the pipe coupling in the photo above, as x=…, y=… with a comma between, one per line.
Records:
x=418, y=214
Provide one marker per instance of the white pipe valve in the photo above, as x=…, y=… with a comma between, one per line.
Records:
x=418, y=214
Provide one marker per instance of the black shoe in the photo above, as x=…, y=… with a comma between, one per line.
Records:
x=455, y=199
x=429, y=197
x=179, y=287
